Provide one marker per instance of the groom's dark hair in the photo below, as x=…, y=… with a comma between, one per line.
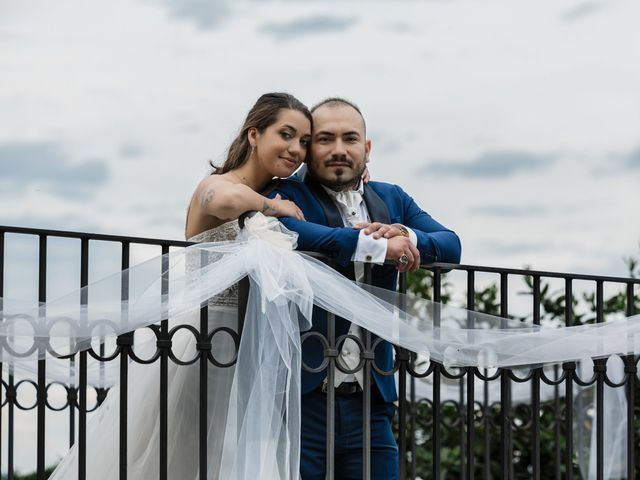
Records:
x=262, y=115
x=339, y=101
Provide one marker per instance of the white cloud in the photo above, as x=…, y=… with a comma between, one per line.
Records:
x=496, y=163
x=309, y=25
x=44, y=165
x=204, y=14
x=582, y=10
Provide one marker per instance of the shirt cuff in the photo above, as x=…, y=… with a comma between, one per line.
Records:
x=413, y=238
x=370, y=250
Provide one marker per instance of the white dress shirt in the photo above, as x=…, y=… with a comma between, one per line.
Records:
x=353, y=210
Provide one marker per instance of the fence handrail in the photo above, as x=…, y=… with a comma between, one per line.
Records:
x=430, y=266
x=536, y=273
x=94, y=236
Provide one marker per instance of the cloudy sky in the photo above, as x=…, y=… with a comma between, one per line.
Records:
x=516, y=124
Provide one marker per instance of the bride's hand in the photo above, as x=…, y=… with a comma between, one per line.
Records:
x=277, y=207
x=366, y=176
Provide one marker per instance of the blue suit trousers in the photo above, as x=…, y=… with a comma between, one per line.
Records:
x=348, y=438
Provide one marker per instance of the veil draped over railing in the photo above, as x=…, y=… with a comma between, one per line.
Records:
x=264, y=405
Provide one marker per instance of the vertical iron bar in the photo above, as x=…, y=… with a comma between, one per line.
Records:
x=631, y=371
x=413, y=421
x=631, y=307
x=471, y=305
x=366, y=394
x=437, y=371
x=487, y=425
x=569, y=368
x=125, y=342
x=535, y=392
x=402, y=416
x=204, y=385
x=331, y=397
x=204, y=347
x=164, y=367
x=600, y=390
x=82, y=407
x=11, y=399
x=462, y=418
x=10, y=392
x=436, y=432
x=42, y=366
x=243, y=297
x=1, y=266
x=71, y=398
x=330, y=464
x=1, y=309
x=402, y=391
x=557, y=461
x=1, y=380
x=505, y=387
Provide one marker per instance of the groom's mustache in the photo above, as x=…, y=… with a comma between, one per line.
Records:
x=338, y=160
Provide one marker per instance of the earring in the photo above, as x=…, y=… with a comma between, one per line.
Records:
x=253, y=149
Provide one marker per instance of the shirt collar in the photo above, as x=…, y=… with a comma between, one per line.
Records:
x=333, y=193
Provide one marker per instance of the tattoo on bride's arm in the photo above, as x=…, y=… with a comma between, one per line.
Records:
x=267, y=209
x=207, y=197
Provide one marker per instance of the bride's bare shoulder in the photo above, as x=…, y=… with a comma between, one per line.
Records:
x=213, y=185
x=207, y=190
x=220, y=181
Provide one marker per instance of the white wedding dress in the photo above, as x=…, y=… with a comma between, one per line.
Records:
x=183, y=399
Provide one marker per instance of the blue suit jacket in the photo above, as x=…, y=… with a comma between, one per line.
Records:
x=324, y=232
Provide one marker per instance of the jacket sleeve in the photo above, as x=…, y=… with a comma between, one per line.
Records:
x=339, y=242
x=436, y=243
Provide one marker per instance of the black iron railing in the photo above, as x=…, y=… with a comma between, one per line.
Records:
x=492, y=439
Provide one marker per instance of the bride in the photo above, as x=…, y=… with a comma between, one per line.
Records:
x=272, y=143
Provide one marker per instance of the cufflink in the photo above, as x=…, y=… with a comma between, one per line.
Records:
x=368, y=258
x=403, y=230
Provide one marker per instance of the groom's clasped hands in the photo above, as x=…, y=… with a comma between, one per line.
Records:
x=398, y=243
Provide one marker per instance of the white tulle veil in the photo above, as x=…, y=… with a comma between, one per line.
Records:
x=262, y=430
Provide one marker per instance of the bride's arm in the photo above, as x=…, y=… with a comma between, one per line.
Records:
x=227, y=201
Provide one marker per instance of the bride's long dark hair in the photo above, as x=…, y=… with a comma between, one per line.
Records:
x=263, y=114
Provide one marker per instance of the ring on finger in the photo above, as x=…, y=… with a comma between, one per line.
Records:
x=403, y=260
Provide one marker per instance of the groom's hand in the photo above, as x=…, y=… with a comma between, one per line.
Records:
x=399, y=246
x=380, y=230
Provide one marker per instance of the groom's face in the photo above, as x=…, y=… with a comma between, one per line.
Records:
x=339, y=148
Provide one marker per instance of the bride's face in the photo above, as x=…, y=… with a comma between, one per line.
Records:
x=283, y=145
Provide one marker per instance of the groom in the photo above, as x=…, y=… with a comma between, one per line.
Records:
x=334, y=201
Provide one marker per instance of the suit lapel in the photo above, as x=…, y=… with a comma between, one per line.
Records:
x=330, y=209
x=378, y=211
x=331, y=212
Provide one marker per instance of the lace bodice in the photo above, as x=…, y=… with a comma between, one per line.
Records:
x=222, y=233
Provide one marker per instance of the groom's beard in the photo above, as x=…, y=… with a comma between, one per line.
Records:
x=341, y=183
